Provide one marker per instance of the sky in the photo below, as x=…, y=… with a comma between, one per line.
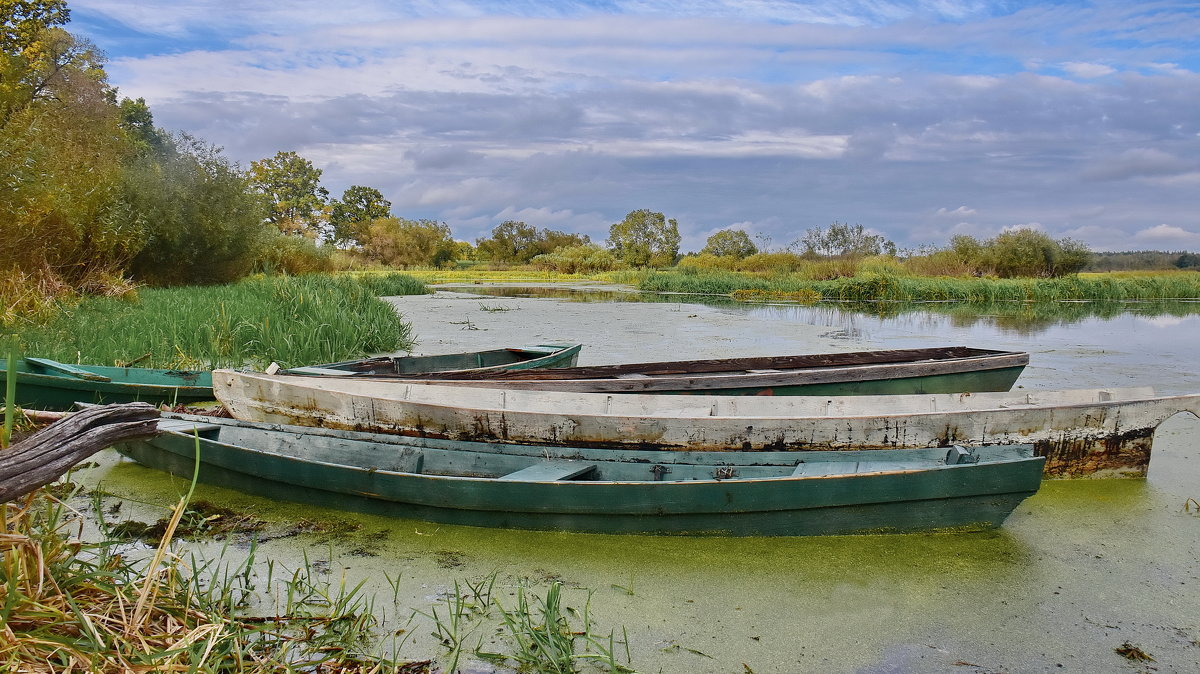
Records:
x=919, y=120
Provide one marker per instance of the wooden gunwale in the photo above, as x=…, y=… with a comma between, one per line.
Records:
x=966, y=359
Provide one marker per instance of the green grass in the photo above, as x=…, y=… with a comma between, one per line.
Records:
x=873, y=287
x=290, y=320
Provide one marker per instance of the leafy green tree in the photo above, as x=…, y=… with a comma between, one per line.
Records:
x=514, y=242
x=645, y=238
x=843, y=240
x=351, y=216
x=61, y=154
x=138, y=123
x=200, y=221
x=1030, y=253
x=292, y=187
x=1188, y=261
x=409, y=243
x=730, y=243
x=22, y=22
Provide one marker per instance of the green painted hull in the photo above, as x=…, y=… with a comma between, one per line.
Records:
x=473, y=362
x=727, y=494
x=955, y=369
x=40, y=389
x=975, y=382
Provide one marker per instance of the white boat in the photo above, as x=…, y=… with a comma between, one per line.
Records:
x=1081, y=432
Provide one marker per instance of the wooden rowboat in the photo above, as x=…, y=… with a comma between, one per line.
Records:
x=576, y=489
x=44, y=384
x=1085, y=432
x=518, y=358
x=953, y=369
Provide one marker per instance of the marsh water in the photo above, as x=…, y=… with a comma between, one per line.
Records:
x=1079, y=570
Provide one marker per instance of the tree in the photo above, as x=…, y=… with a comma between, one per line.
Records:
x=292, y=187
x=730, y=243
x=200, y=221
x=514, y=242
x=408, y=243
x=1187, y=261
x=645, y=238
x=138, y=123
x=1028, y=252
x=350, y=217
x=842, y=240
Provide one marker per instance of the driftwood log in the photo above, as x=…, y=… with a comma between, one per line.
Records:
x=44, y=456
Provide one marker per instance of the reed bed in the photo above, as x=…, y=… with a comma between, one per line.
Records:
x=874, y=287
x=290, y=320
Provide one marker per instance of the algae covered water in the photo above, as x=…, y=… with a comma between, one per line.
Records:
x=1077, y=572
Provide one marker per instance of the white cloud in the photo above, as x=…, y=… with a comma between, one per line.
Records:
x=1168, y=237
x=1087, y=70
x=961, y=211
x=568, y=116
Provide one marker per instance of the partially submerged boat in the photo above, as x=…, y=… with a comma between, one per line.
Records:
x=44, y=384
x=954, y=369
x=518, y=358
x=590, y=490
x=1084, y=432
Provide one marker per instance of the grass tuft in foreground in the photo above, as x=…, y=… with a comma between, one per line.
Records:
x=290, y=320
x=75, y=606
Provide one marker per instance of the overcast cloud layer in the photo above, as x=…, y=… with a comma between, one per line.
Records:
x=918, y=120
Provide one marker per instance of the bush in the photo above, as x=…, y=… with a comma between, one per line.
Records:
x=583, y=259
x=294, y=254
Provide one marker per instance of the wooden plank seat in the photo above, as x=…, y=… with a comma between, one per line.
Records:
x=538, y=349
x=63, y=368
x=325, y=371
x=187, y=427
x=550, y=471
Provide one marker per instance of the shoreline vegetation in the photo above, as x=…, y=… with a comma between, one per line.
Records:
x=292, y=320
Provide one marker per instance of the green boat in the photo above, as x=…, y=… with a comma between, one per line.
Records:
x=470, y=363
x=603, y=491
x=44, y=384
x=949, y=369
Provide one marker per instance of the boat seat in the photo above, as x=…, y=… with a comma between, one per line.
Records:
x=187, y=427
x=66, y=369
x=323, y=371
x=958, y=454
x=765, y=371
x=550, y=471
x=848, y=467
x=538, y=349
x=817, y=468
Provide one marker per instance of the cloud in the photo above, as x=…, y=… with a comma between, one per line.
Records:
x=1168, y=237
x=1087, y=70
x=1136, y=163
x=779, y=114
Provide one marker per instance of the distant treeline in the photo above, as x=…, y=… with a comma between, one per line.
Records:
x=1147, y=260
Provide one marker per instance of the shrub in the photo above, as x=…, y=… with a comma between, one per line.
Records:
x=294, y=254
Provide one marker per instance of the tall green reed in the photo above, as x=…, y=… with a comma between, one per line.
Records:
x=289, y=320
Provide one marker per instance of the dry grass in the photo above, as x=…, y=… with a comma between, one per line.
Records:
x=79, y=607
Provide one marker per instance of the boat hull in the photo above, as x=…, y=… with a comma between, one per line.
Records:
x=897, y=371
x=43, y=391
x=1085, y=433
x=922, y=497
x=516, y=359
